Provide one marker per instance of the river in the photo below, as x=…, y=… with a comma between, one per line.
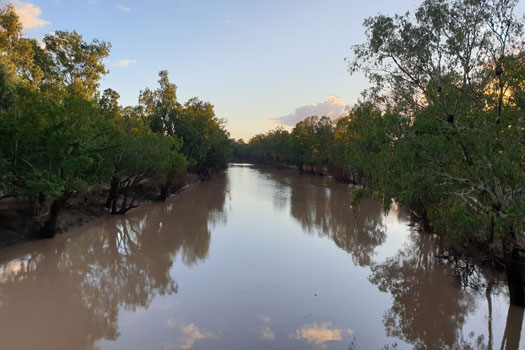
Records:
x=255, y=258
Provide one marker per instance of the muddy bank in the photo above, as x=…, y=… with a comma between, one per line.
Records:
x=17, y=226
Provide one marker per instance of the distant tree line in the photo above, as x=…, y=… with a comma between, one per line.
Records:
x=441, y=131
x=59, y=136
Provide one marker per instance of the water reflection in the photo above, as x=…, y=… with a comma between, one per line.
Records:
x=512, y=335
x=432, y=298
x=265, y=285
x=66, y=293
x=320, y=334
x=187, y=335
x=430, y=306
x=322, y=207
x=427, y=311
x=266, y=332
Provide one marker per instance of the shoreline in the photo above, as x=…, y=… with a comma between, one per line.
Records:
x=17, y=227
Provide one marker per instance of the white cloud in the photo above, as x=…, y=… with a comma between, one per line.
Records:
x=125, y=63
x=29, y=15
x=124, y=8
x=332, y=108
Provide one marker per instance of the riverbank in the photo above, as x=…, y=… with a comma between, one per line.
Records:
x=339, y=174
x=17, y=226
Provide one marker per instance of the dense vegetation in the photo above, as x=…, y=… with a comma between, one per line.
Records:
x=60, y=136
x=441, y=131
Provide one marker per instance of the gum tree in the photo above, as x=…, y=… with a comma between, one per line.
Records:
x=451, y=76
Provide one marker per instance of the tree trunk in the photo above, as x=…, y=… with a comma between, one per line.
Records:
x=124, y=208
x=426, y=222
x=123, y=205
x=422, y=215
x=164, y=192
x=49, y=228
x=516, y=277
x=113, y=193
x=166, y=187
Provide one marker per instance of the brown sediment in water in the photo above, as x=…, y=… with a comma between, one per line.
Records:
x=254, y=258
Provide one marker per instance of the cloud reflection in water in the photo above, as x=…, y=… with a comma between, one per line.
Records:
x=320, y=334
x=189, y=335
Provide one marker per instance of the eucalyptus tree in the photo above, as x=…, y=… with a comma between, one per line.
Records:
x=280, y=145
x=74, y=63
x=50, y=138
x=109, y=104
x=134, y=153
x=312, y=142
x=17, y=53
x=158, y=104
x=450, y=76
x=205, y=141
x=59, y=136
x=51, y=146
x=359, y=139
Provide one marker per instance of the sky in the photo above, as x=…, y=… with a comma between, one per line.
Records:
x=261, y=63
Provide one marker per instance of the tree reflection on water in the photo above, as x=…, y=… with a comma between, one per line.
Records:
x=322, y=207
x=427, y=311
x=67, y=293
x=432, y=299
x=83, y=281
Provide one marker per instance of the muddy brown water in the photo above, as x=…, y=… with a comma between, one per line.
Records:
x=253, y=259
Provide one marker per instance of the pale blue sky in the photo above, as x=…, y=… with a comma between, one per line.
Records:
x=254, y=60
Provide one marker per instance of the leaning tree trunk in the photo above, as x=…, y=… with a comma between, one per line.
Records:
x=124, y=207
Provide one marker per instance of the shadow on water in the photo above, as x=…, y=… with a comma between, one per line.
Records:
x=66, y=293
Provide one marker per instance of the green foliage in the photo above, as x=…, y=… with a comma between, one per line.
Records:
x=441, y=130
x=205, y=141
x=59, y=136
x=449, y=79
x=459, y=224
x=158, y=104
x=309, y=146
x=74, y=63
x=312, y=141
x=17, y=53
x=50, y=143
x=276, y=145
